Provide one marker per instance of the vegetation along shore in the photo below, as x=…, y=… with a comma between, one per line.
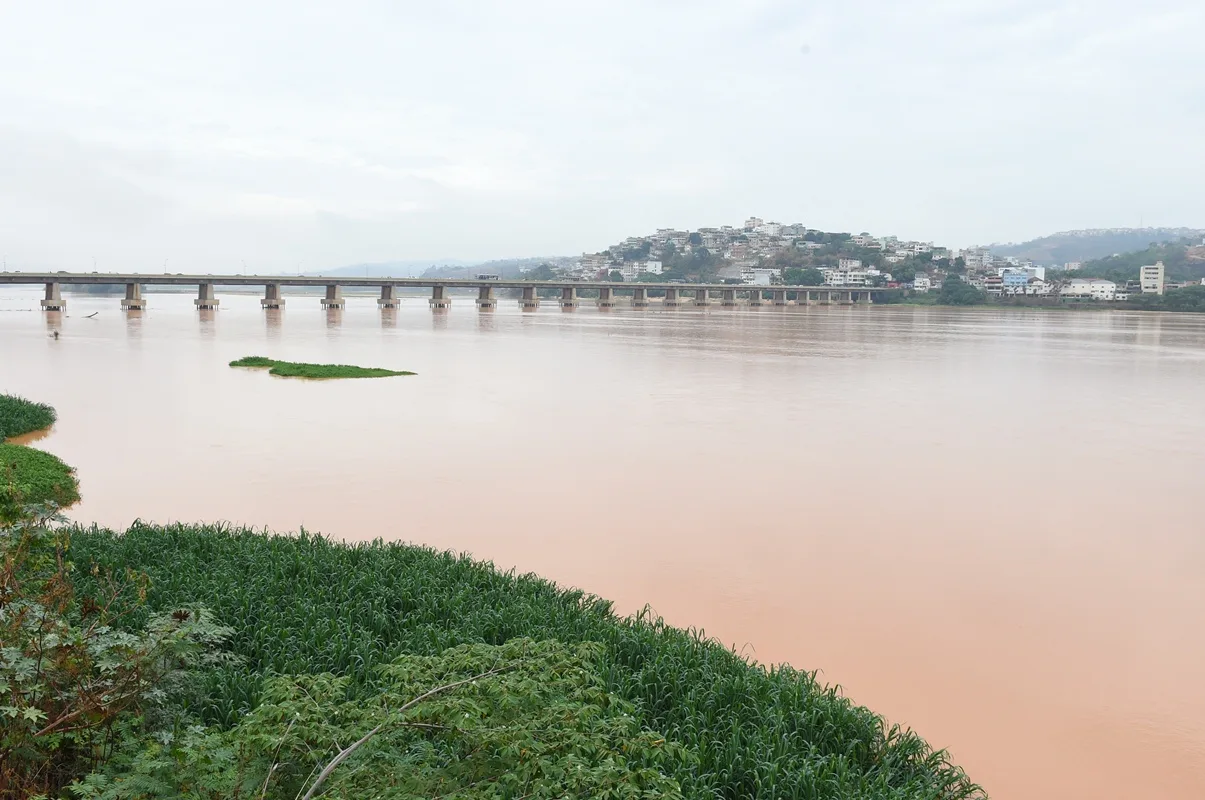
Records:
x=194, y=661
x=292, y=369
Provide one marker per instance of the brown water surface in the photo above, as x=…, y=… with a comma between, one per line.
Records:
x=983, y=524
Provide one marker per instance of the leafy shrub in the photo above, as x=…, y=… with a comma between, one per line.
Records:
x=291, y=369
x=72, y=684
x=525, y=719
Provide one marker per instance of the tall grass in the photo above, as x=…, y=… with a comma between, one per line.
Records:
x=292, y=369
x=302, y=604
x=19, y=416
x=38, y=477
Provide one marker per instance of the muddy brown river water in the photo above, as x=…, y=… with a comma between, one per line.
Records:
x=984, y=524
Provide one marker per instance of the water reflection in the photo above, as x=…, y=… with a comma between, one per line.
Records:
x=439, y=319
x=273, y=322
x=208, y=318
x=133, y=324
x=486, y=321
x=334, y=317
x=388, y=317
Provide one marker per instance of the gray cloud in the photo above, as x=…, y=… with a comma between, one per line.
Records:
x=321, y=134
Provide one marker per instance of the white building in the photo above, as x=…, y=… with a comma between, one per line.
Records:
x=921, y=283
x=1037, y=286
x=652, y=266
x=847, y=264
x=1091, y=289
x=759, y=276
x=1071, y=266
x=1151, y=277
x=842, y=277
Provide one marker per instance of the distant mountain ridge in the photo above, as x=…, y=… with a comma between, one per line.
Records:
x=1087, y=245
x=388, y=269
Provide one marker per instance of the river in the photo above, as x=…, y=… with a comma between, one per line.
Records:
x=984, y=524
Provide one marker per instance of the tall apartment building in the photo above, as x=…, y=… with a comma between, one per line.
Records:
x=1151, y=278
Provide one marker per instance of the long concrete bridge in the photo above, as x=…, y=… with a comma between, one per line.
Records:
x=676, y=294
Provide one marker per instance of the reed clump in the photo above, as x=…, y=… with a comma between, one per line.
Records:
x=19, y=416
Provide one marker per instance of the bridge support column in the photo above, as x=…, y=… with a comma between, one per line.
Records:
x=205, y=299
x=568, y=298
x=866, y=298
x=272, y=298
x=671, y=299
x=334, y=296
x=133, y=300
x=439, y=298
x=804, y=298
x=780, y=297
x=389, y=298
x=640, y=297
x=54, y=298
x=826, y=297
x=485, y=299
x=530, y=301
x=848, y=298
x=702, y=297
x=728, y=298
x=606, y=297
x=755, y=298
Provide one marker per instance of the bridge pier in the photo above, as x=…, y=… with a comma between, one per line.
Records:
x=780, y=297
x=728, y=298
x=640, y=297
x=272, y=298
x=568, y=298
x=671, y=299
x=133, y=300
x=389, y=297
x=606, y=297
x=334, y=296
x=803, y=297
x=755, y=298
x=439, y=299
x=205, y=299
x=530, y=301
x=485, y=299
x=867, y=298
x=54, y=298
x=702, y=297
x=849, y=298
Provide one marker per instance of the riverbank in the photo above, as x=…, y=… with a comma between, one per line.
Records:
x=301, y=604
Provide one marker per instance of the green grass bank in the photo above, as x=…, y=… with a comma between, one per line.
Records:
x=292, y=369
x=305, y=605
x=19, y=416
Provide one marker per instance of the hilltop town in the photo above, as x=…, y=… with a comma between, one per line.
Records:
x=761, y=252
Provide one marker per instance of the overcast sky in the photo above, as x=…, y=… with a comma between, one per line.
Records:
x=321, y=134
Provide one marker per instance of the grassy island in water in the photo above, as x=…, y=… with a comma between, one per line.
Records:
x=29, y=476
x=293, y=369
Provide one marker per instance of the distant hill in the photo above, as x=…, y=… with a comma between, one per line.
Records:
x=387, y=269
x=505, y=268
x=1184, y=260
x=1087, y=245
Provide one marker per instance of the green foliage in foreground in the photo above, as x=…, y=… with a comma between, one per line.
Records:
x=19, y=416
x=33, y=477
x=525, y=719
x=292, y=369
x=72, y=685
x=303, y=605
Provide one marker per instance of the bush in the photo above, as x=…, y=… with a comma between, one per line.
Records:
x=72, y=686
x=19, y=416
